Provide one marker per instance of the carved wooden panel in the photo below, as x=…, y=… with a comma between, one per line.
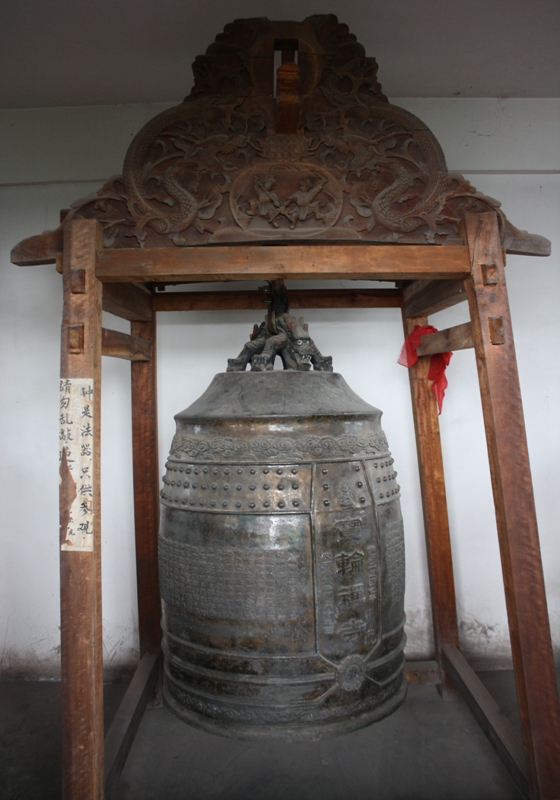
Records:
x=347, y=165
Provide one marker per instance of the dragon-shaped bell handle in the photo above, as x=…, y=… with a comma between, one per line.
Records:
x=280, y=335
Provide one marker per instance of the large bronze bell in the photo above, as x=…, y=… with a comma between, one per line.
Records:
x=281, y=553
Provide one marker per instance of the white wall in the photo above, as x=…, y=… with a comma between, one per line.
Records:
x=51, y=157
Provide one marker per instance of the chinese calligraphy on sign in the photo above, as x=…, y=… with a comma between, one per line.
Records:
x=76, y=449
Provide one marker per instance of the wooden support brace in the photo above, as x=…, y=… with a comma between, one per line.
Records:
x=80, y=517
x=127, y=301
x=535, y=675
x=434, y=504
x=425, y=297
x=457, y=338
x=123, y=345
x=505, y=740
x=127, y=720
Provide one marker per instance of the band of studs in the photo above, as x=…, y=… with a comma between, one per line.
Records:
x=270, y=489
x=238, y=489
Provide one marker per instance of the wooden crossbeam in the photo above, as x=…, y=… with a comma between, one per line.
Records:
x=296, y=261
x=123, y=345
x=456, y=338
x=45, y=247
x=41, y=249
x=306, y=298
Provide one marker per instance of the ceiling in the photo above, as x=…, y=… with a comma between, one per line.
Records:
x=95, y=52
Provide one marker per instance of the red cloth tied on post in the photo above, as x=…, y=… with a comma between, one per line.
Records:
x=438, y=362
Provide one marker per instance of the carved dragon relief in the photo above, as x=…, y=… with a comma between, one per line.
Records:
x=215, y=170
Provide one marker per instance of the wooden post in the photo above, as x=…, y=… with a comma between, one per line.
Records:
x=146, y=487
x=434, y=504
x=515, y=509
x=80, y=516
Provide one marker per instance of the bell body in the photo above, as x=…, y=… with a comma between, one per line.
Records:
x=281, y=559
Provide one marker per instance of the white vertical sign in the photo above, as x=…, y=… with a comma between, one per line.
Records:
x=76, y=460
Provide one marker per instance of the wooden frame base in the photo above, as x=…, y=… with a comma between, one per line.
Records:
x=441, y=276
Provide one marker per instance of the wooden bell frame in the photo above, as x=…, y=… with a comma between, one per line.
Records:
x=470, y=268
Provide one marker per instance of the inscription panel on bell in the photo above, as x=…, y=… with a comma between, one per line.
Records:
x=347, y=558
x=236, y=591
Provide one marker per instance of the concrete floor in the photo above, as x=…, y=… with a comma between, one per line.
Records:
x=428, y=750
